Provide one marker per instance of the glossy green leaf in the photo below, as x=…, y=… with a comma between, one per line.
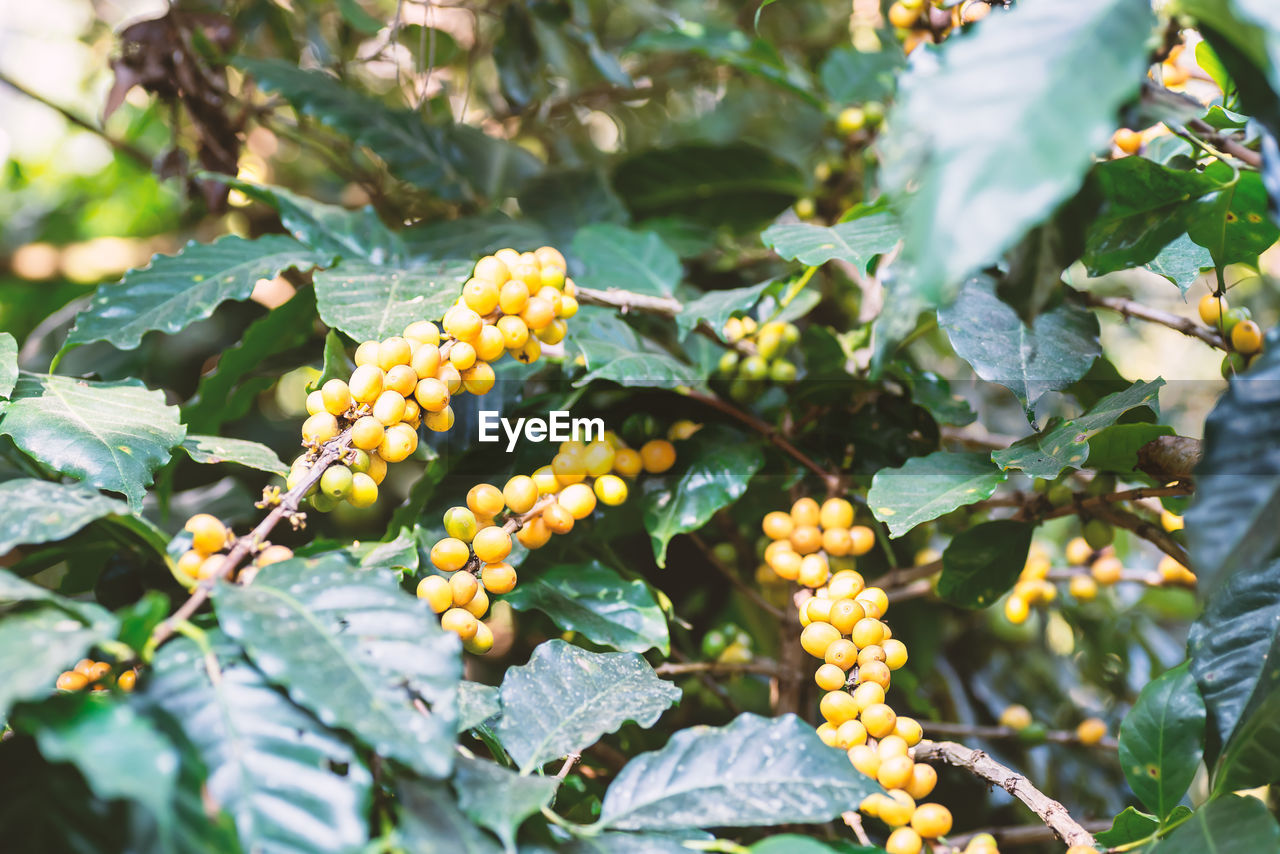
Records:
x=1128, y=826
x=1181, y=262
x=851, y=76
x=14, y=590
x=717, y=467
x=353, y=648
x=454, y=161
x=1233, y=223
x=476, y=704
x=716, y=307
x=497, y=799
x=566, y=200
x=1051, y=354
x=336, y=365
x=737, y=185
x=37, y=644
x=595, y=601
x=473, y=236
x=643, y=368
x=754, y=771
x=109, y=435
x=367, y=301
x=856, y=241
x=1228, y=824
x=245, y=370
x=8, y=364
x=50, y=511
x=982, y=562
x=949, y=133
x=617, y=257
x=329, y=228
x=1161, y=740
x=119, y=751
x=565, y=698
x=1231, y=523
x=925, y=488
x=432, y=823
x=290, y=784
x=174, y=291
x=216, y=449
x=1235, y=657
x=1065, y=444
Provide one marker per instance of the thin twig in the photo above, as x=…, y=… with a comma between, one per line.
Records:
x=854, y=819
x=1052, y=813
x=762, y=668
x=1149, y=531
x=1004, y=733
x=569, y=762
x=1131, y=308
x=119, y=145
x=1226, y=143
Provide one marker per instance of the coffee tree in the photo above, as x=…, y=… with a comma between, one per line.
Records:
x=724, y=427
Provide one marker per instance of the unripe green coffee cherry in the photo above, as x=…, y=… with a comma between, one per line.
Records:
x=322, y=503
x=714, y=643
x=753, y=368
x=790, y=334
x=360, y=461
x=1033, y=733
x=728, y=362
x=1232, y=316
x=1059, y=493
x=335, y=483
x=1098, y=534
x=1103, y=483
x=460, y=523
x=782, y=371
x=725, y=553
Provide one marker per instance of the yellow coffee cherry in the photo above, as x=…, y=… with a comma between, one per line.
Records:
x=426, y=361
x=538, y=313
x=462, y=323
x=211, y=567
x=1246, y=337
x=868, y=694
x=320, y=427
x=127, y=680
x=778, y=525
x=814, y=571
x=554, y=332
x=439, y=422
x=805, y=511
x=208, y=534
x=367, y=354
x=462, y=356
x=367, y=433
x=568, y=307
x=1016, y=610
x=627, y=462
x=364, y=490
x=479, y=378
x=838, y=707
x=845, y=614
x=424, y=332
x=492, y=545
x=874, y=601
x=558, y=518
x=817, y=610
x=895, y=653
x=842, y=653
x=923, y=780
x=1171, y=521
x=829, y=677
x=450, y=554
x=450, y=376
x=463, y=587
x=389, y=408
x=498, y=578
x=846, y=584
x=534, y=534
x=432, y=395
x=337, y=397
x=849, y=734
x=806, y=539
x=398, y=443
x=867, y=632
x=835, y=513
x=1091, y=731
x=377, y=468
x=315, y=402
x=1017, y=717
x=513, y=297
x=1083, y=588
x=485, y=500
x=366, y=383
x=610, y=489
x=895, y=772
x=529, y=353
x=836, y=542
x=460, y=622
x=597, y=458
x=879, y=720
x=897, y=809
x=909, y=730
x=480, y=295
x=394, y=351
x=568, y=467
x=273, y=554
x=863, y=540
x=657, y=455
x=481, y=642
x=1107, y=570
x=903, y=840
x=816, y=637
x=189, y=563
x=492, y=269
x=336, y=482
x=1078, y=551
x=401, y=379
x=514, y=332
x=891, y=746
x=544, y=478
x=874, y=672
x=461, y=524
x=435, y=591
x=520, y=493
x=865, y=759
x=931, y=821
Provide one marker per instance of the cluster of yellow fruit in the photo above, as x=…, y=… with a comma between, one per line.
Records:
x=95, y=676
x=919, y=21
x=473, y=555
x=1237, y=328
x=812, y=541
x=513, y=303
x=210, y=539
x=770, y=342
x=1034, y=586
x=1089, y=732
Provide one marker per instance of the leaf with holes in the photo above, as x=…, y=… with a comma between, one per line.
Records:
x=754, y=772
x=291, y=785
x=353, y=648
x=216, y=449
x=109, y=435
x=367, y=301
x=594, y=600
x=565, y=698
x=174, y=291
x=925, y=488
x=1161, y=738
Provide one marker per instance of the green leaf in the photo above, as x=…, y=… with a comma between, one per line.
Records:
x=336, y=365
x=950, y=131
x=644, y=369
x=569, y=199
x=119, y=752
x=497, y=799
x=109, y=435
x=290, y=784
x=37, y=644
x=399, y=553
x=476, y=704
x=1161, y=740
x=616, y=257
x=50, y=511
x=14, y=590
x=1233, y=223
x=852, y=76
x=8, y=364
x=370, y=302
x=353, y=648
x=716, y=307
x=472, y=236
x=174, y=291
x=856, y=240
x=1228, y=823
x=621, y=842
x=1231, y=523
x=738, y=185
x=1115, y=448
x=925, y=488
x=215, y=449
x=1181, y=261
x=565, y=698
x=754, y=772
x=1053, y=353
x=719, y=466
x=732, y=48
x=1129, y=826
x=1065, y=444
x=594, y=600
x=328, y=228
x=1235, y=656
x=456, y=162
x=245, y=370
x=431, y=823
x=982, y=562
x=790, y=843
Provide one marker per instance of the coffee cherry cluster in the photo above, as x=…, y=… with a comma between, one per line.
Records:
x=513, y=303
x=210, y=540
x=1238, y=329
x=95, y=676
x=766, y=360
x=919, y=21
x=812, y=541
x=728, y=643
x=473, y=554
